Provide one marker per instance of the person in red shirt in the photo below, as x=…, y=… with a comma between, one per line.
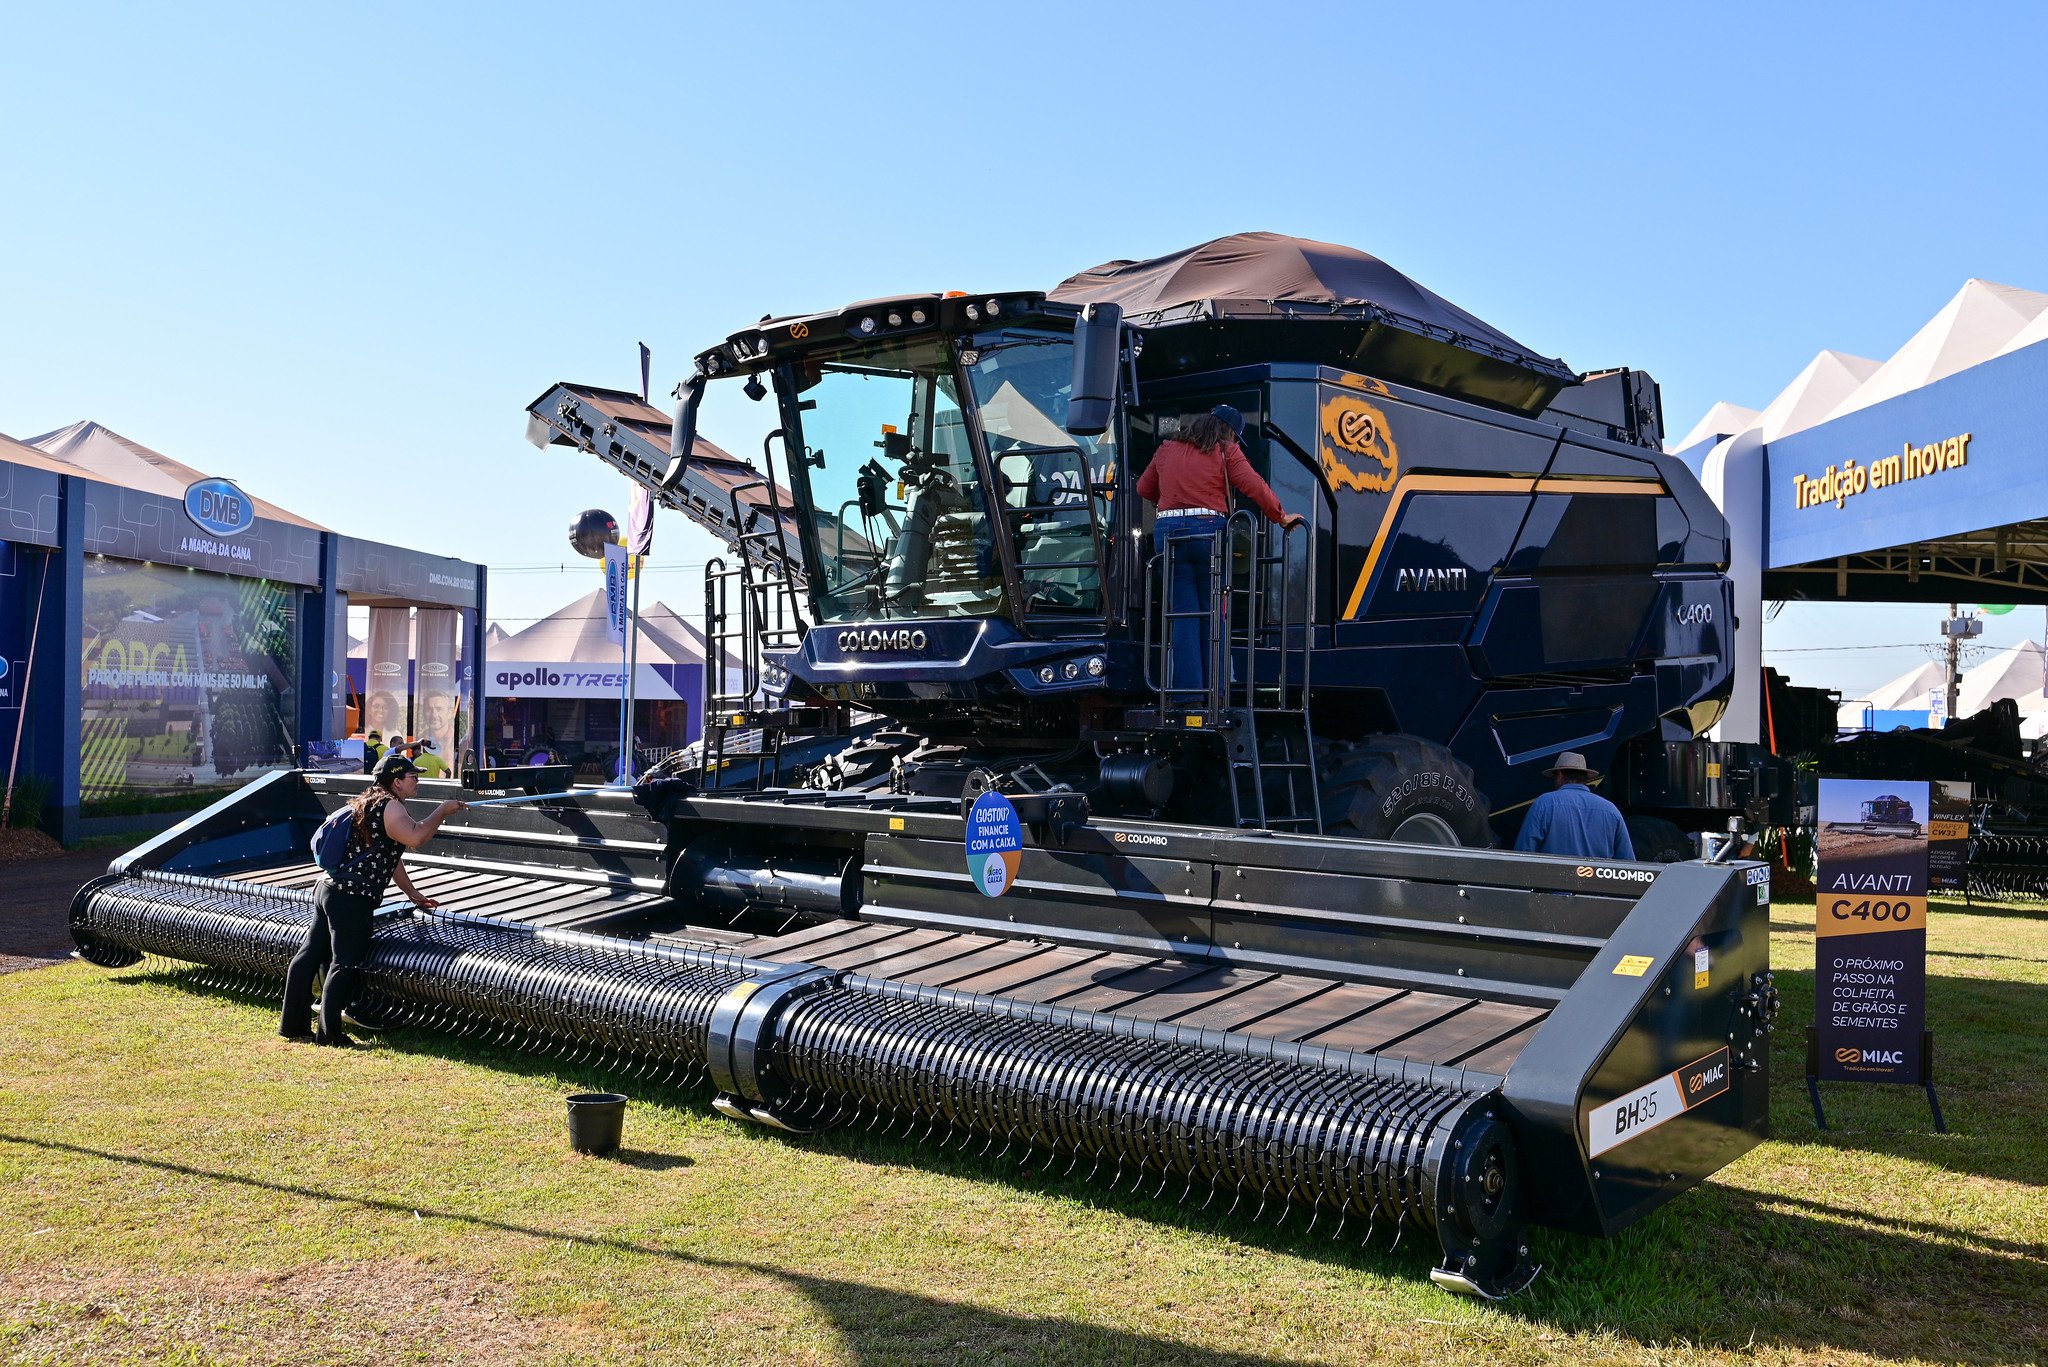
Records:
x=1189, y=480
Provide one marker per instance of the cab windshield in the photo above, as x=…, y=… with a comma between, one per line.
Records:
x=899, y=524
x=1054, y=486
x=902, y=524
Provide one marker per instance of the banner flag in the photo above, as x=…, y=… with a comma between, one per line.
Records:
x=386, y=689
x=640, y=523
x=1870, y=951
x=615, y=594
x=437, y=696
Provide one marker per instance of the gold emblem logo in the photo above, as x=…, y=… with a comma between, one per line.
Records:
x=799, y=330
x=1358, y=450
x=1848, y=1056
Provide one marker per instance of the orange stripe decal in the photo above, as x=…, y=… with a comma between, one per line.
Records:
x=1478, y=484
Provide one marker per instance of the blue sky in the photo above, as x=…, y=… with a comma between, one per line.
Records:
x=332, y=252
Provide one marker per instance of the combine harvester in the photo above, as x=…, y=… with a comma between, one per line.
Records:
x=1240, y=942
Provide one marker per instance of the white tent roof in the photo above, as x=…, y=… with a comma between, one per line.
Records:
x=1907, y=691
x=1817, y=391
x=494, y=634
x=2032, y=334
x=575, y=634
x=111, y=458
x=2014, y=672
x=1722, y=420
x=1971, y=328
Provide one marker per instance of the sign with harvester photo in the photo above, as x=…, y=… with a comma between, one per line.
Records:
x=1870, y=935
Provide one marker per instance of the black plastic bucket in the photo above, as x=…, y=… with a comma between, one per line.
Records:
x=596, y=1120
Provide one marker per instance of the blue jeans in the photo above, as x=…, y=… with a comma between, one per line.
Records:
x=1189, y=566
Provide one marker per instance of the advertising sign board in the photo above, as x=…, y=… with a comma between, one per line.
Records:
x=1870, y=967
x=436, y=700
x=387, y=690
x=995, y=841
x=1870, y=946
x=1948, y=835
x=188, y=680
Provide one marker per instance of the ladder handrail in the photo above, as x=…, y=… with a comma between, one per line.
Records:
x=1255, y=629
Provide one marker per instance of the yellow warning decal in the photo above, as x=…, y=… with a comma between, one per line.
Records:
x=1634, y=965
x=1194, y=721
x=895, y=823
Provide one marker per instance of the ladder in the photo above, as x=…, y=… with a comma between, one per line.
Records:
x=1253, y=693
x=751, y=606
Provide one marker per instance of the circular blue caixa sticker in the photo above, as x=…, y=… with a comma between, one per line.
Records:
x=995, y=839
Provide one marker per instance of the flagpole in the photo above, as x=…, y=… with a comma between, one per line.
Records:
x=633, y=568
x=618, y=611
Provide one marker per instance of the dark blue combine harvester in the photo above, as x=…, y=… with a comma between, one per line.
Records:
x=1252, y=943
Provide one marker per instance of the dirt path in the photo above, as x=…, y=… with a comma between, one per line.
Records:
x=35, y=905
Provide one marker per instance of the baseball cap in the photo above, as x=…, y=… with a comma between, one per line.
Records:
x=1232, y=419
x=393, y=767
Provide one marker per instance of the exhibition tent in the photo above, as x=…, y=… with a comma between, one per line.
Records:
x=105, y=455
x=1818, y=390
x=1908, y=690
x=1907, y=693
x=569, y=654
x=1971, y=328
x=2014, y=673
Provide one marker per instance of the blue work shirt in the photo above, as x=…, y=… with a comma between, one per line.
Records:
x=1573, y=819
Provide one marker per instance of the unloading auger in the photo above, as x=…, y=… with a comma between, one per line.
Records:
x=1459, y=1041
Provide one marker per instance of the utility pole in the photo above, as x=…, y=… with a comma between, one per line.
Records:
x=1955, y=656
x=1956, y=630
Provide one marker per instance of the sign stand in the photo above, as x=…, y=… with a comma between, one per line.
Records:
x=1926, y=1082
x=1873, y=867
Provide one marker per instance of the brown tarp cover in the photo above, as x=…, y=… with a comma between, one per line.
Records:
x=1269, y=275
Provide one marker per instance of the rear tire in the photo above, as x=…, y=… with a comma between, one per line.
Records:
x=1401, y=788
x=1657, y=841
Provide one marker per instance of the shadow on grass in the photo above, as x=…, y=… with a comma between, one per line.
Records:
x=1729, y=1268
x=1722, y=1267
x=879, y=1325
x=1383, y=1248
x=1989, y=1052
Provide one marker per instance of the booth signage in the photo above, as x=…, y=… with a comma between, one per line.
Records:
x=1870, y=951
x=995, y=843
x=217, y=506
x=1948, y=835
x=1838, y=484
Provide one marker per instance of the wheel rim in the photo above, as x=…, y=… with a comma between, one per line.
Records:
x=1425, y=828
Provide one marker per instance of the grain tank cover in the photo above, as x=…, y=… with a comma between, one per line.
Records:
x=1327, y=304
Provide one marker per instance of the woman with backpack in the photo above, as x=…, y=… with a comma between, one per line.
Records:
x=346, y=899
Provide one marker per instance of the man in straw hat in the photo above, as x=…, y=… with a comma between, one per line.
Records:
x=1573, y=819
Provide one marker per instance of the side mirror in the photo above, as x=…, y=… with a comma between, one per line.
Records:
x=1098, y=340
x=682, y=434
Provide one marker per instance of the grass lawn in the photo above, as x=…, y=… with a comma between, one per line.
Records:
x=180, y=1185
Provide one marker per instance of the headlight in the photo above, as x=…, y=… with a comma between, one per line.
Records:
x=866, y=326
x=1073, y=670
x=1046, y=675
x=1097, y=666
